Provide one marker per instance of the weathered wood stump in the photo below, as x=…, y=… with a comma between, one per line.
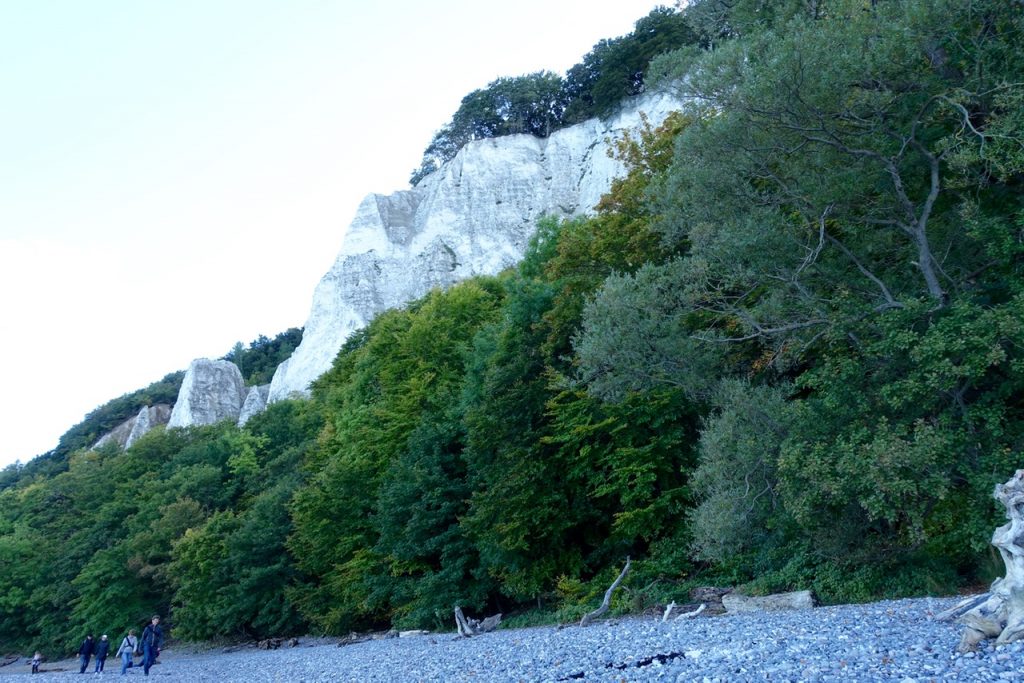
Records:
x=275, y=643
x=999, y=613
x=474, y=627
x=710, y=596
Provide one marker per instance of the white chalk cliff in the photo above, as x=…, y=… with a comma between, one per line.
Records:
x=212, y=390
x=473, y=216
x=255, y=403
x=132, y=429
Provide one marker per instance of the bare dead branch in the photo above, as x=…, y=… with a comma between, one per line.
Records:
x=606, y=603
x=886, y=294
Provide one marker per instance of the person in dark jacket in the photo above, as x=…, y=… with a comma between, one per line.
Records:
x=152, y=639
x=85, y=653
x=102, y=648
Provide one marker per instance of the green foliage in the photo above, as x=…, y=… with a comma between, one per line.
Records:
x=524, y=104
x=543, y=102
x=258, y=361
x=738, y=473
x=406, y=373
x=635, y=458
x=616, y=69
x=521, y=506
x=888, y=439
x=431, y=564
x=845, y=212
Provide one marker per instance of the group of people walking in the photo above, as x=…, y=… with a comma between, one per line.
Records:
x=148, y=646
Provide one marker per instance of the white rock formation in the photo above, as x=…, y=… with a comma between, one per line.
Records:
x=148, y=418
x=255, y=403
x=132, y=429
x=118, y=435
x=213, y=390
x=474, y=216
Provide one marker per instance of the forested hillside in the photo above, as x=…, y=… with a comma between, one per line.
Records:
x=787, y=352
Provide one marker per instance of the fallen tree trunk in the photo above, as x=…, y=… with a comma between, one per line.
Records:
x=999, y=613
x=606, y=603
x=474, y=627
x=736, y=602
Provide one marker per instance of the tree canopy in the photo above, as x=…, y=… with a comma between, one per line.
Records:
x=540, y=103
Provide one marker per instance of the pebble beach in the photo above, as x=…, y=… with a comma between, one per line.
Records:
x=883, y=641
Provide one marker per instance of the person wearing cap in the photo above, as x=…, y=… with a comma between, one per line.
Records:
x=152, y=639
x=102, y=649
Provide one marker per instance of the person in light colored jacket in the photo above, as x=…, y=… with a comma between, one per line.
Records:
x=128, y=647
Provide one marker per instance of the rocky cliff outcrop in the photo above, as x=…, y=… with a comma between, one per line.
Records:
x=255, y=402
x=131, y=430
x=474, y=216
x=147, y=419
x=212, y=390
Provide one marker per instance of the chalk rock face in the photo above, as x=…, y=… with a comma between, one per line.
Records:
x=132, y=429
x=255, y=402
x=213, y=390
x=118, y=435
x=473, y=216
x=148, y=418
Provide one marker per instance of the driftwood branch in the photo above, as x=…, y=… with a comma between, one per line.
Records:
x=999, y=613
x=693, y=613
x=606, y=603
x=684, y=615
x=474, y=627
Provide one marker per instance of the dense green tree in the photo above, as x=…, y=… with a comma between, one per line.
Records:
x=522, y=508
x=432, y=565
x=258, y=361
x=230, y=573
x=738, y=478
x=543, y=102
x=615, y=69
x=624, y=63
x=523, y=104
x=408, y=365
x=840, y=199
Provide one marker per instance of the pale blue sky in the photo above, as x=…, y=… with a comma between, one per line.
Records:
x=177, y=175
